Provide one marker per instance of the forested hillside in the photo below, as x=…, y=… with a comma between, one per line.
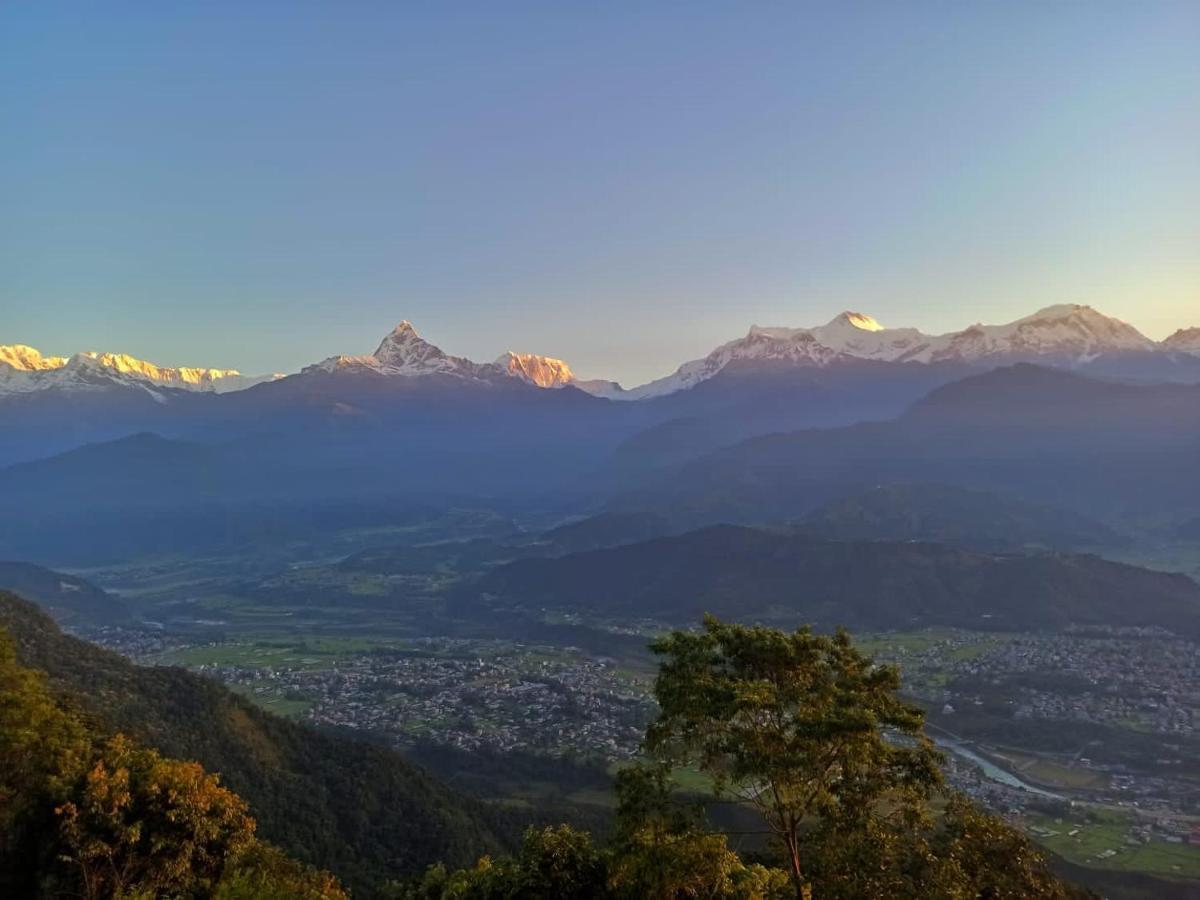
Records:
x=761, y=573
x=85, y=812
x=358, y=809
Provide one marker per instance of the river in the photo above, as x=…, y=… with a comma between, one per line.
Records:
x=991, y=770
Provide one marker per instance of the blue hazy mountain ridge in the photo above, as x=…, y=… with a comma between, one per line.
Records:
x=945, y=514
x=748, y=398
x=1094, y=446
x=849, y=370
x=1097, y=447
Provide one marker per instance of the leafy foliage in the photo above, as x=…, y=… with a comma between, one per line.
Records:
x=138, y=822
x=355, y=808
x=793, y=724
x=97, y=818
x=811, y=733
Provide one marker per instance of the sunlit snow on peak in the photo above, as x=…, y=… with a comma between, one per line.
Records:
x=861, y=321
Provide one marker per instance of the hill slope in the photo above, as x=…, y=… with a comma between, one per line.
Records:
x=747, y=573
x=359, y=810
x=951, y=515
x=67, y=598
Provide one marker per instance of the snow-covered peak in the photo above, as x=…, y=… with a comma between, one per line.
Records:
x=1069, y=331
x=1185, y=340
x=541, y=371
x=402, y=352
x=856, y=320
x=1066, y=333
x=24, y=369
x=405, y=353
x=27, y=359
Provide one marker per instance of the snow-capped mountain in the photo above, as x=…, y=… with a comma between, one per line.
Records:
x=1185, y=340
x=404, y=353
x=24, y=369
x=1067, y=334
x=27, y=359
x=548, y=372
x=540, y=371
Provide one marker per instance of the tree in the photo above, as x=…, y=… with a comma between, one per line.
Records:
x=554, y=864
x=661, y=850
x=137, y=822
x=265, y=873
x=802, y=726
x=43, y=747
x=979, y=855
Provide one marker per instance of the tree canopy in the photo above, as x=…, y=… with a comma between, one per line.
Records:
x=813, y=736
x=83, y=814
x=800, y=725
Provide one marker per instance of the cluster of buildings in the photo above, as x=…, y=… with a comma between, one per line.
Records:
x=1145, y=683
x=469, y=694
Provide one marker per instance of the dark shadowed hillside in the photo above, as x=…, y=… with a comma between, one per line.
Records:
x=951, y=515
x=69, y=599
x=606, y=530
x=758, y=574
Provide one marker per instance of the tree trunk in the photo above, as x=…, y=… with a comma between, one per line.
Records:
x=803, y=888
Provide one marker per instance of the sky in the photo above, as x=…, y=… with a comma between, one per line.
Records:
x=264, y=184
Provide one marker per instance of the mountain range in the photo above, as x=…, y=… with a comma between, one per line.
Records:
x=24, y=369
x=766, y=429
x=1068, y=334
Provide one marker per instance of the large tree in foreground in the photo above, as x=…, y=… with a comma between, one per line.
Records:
x=801, y=725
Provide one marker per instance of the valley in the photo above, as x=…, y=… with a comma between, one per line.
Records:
x=1095, y=727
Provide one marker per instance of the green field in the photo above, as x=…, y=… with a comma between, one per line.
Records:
x=272, y=702
x=968, y=645
x=309, y=653
x=1103, y=845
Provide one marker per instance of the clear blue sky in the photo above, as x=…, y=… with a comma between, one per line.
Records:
x=625, y=185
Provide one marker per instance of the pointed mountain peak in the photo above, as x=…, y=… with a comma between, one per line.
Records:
x=402, y=335
x=403, y=349
x=404, y=328
x=401, y=352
